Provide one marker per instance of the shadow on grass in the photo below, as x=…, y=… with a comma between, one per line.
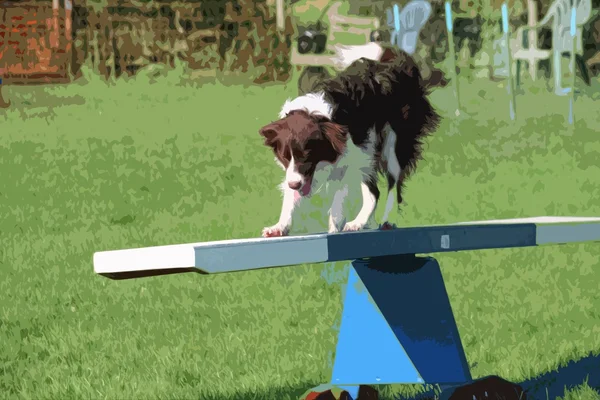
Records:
x=568, y=377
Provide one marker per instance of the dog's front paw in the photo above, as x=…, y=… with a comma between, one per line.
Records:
x=353, y=226
x=334, y=226
x=386, y=226
x=275, y=231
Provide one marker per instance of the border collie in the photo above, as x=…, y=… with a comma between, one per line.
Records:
x=371, y=118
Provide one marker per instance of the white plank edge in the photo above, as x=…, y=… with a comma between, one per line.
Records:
x=213, y=257
x=563, y=234
x=555, y=230
x=145, y=259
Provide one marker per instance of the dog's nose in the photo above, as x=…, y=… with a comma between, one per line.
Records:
x=295, y=185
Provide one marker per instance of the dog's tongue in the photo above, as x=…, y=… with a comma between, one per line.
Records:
x=305, y=189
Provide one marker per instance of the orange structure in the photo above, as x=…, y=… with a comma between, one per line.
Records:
x=35, y=41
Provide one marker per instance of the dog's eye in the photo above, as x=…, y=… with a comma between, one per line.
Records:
x=275, y=145
x=300, y=155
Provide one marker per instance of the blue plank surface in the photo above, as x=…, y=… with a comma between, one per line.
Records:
x=433, y=239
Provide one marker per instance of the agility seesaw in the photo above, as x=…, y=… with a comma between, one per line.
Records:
x=397, y=323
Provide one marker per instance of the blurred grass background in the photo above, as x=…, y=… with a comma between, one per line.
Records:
x=140, y=153
x=95, y=166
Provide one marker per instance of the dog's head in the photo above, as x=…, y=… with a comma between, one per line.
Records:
x=301, y=141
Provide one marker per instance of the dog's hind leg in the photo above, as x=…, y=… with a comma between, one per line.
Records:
x=394, y=175
x=391, y=198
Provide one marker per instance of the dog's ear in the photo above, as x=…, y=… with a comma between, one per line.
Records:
x=270, y=132
x=388, y=55
x=336, y=134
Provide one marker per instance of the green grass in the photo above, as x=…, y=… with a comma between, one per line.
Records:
x=91, y=167
x=584, y=392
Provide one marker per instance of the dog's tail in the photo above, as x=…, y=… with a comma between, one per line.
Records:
x=346, y=55
x=434, y=78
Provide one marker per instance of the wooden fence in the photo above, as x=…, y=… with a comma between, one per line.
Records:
x=35, y=44
x=42, y=41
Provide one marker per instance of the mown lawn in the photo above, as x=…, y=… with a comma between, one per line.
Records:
x=90, y=167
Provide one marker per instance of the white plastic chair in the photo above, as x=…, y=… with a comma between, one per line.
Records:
x=560, y=12
x=412, y=19
x=560, y=15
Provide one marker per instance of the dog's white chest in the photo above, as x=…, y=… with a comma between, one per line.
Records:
x=349, y=170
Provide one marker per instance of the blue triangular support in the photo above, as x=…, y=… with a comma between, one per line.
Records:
x=397, y=326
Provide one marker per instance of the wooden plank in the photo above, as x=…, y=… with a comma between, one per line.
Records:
x=349, y=20
x=328, y=60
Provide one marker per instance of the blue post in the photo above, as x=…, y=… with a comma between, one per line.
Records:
x=510, y=88
x=448, y=9
x=573, y=31
x=397, y=326
x=397, y=17
x=395, y=37
x=452, y=54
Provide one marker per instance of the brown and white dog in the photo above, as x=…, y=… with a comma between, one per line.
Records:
x=369, y=119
